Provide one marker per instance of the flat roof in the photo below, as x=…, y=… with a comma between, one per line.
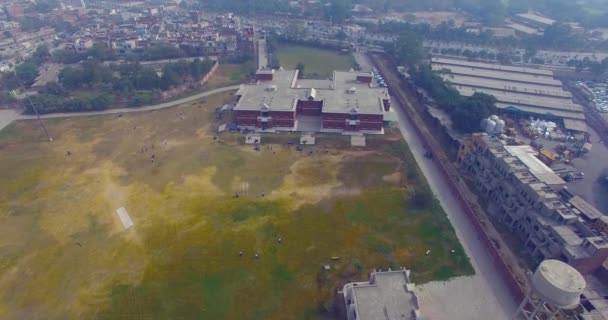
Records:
x=523, y=99
x=499, y=75
x=541, y=171
x=560, y=103
x=341, y=94
x=567, y=235
x=586, y=208
x=540, y=111
x=537, y=18
x=491, y=66
x=391, y=296
x=575, y=125
x=350, y=93
x=523, y=28
x=505, y=85
x=275, y=94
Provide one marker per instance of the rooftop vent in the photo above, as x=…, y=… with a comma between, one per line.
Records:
x=272, y=87
x=352, y=90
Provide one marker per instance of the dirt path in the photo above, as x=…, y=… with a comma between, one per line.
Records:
x=139, y=109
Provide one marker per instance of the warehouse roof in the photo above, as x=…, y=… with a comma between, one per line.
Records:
x=525, y=88
x=523, y=98
x=537, y=18
x=523, y=28
x=575, y=125
x=490, y=66
x=499, y=75
x=540, y=112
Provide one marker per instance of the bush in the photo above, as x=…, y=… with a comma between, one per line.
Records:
x=423, y=199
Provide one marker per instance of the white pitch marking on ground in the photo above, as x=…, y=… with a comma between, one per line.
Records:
x=245, y=188
x=124, y=217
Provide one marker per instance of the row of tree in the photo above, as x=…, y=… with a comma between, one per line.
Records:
x=50, y=103
x=466, y=112
x=558, y=36
x=139, y=84
x=595, y=67
x=128, y=77
x=100, y=53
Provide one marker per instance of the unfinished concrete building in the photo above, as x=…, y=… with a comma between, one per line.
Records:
x=387, y=295
x=529, y=199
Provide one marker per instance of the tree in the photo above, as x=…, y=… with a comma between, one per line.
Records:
x=54, y=88
x=71, y=77
x=530, y=53
x=407, y=50
x=300, y=67
x=42, y=54
x=341, y=35
x=146, y=79
x=27, y=72
x=337, y=10
x=467, y=116
x=43, y=6
x=169, y=79
x=423, y=198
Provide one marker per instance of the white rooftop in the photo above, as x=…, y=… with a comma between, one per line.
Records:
x=341, y=94
x=541, y=171
x=390, y=296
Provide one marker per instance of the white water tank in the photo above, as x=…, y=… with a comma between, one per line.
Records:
x=490, y=126
x=558, y=284
x=484, y=124
x=500, y=126
x=494, y=117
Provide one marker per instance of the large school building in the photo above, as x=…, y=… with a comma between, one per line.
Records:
x=280, y=101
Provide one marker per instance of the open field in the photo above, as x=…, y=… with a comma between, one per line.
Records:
x=230, y=74
x=317, y=62
x=64, y=253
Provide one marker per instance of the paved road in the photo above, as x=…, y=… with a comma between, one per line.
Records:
x=7, y=117
x=482, y=296
x=126, y=110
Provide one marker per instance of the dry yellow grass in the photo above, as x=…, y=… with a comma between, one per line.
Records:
x=65, y=255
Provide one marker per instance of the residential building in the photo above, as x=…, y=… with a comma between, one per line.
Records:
x=386, y=295
x=528, y=199
x=348, y=102
x=82, y=45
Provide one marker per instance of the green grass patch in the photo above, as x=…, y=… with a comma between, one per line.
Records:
x=318, y=63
